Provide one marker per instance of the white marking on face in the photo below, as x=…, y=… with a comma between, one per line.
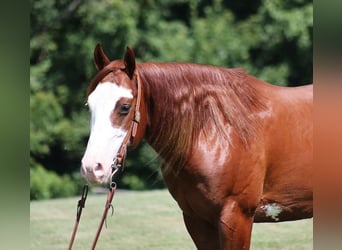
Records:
x=105, y=139
x=272, y=210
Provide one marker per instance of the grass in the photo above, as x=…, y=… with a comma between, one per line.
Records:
x=141, y=220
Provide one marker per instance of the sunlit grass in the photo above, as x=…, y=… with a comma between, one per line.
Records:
x=141, y=220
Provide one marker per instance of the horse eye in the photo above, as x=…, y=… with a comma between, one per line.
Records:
x=124, y=108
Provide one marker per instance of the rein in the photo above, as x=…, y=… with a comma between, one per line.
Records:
x=118, y=162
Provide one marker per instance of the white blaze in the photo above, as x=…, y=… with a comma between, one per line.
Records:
x=105, y=139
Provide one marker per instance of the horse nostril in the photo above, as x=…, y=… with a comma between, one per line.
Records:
x=94, y=173
x=98, y=170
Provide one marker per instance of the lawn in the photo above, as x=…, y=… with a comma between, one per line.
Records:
x=141, y=220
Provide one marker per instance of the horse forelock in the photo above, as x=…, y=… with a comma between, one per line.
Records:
x=188, y=99
x=101, y=74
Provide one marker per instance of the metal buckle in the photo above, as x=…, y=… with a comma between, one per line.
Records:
x=114, y=164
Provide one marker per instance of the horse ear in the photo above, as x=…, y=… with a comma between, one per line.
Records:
x=100, y=58
x=129, y=60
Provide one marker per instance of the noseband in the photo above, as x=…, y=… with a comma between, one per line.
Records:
x=119, y=159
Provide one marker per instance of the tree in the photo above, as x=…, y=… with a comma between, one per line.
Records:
x=271, y=39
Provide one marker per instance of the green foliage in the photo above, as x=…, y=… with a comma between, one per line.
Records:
x=271, y=39
x=47, y=184
x=142, y=170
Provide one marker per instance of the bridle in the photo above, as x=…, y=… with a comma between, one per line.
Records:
x=118, y=161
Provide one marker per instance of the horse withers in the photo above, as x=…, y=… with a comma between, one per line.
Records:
x=235, y=149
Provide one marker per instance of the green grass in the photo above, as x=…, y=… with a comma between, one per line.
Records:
x=141, y=220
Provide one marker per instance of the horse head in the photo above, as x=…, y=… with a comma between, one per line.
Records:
x=118, y=119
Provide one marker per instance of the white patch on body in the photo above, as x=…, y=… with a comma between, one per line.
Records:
x=105, y=139
x=272, y=210
x=265, y=114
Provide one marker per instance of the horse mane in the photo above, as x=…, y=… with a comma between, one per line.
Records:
x=189, y=99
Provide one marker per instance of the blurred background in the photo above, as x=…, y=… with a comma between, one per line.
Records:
x=271, y=39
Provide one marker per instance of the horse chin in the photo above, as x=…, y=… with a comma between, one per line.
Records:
x=105, y=180
x=96, y=180
x=102, y=181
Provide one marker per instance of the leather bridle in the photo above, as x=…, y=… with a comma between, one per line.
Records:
x=118, y=161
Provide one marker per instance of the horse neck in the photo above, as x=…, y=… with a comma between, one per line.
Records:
x=166, y=131
x=184, y=99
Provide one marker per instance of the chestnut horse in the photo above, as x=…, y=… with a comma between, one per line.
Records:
x=235, y=150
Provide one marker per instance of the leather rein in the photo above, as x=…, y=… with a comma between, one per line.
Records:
x=118, y=161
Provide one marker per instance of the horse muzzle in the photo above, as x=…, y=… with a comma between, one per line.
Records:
x=95, y=174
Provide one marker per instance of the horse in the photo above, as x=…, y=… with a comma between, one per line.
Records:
x=235, y=150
